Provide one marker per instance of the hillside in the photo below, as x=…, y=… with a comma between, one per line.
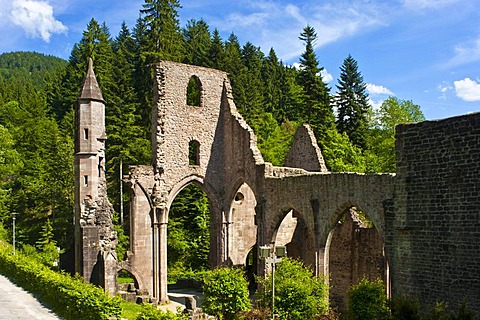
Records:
x=33, y=65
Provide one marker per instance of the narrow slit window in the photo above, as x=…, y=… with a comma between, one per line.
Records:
x=85, y=181
x=85, y=134
x=194, y=153
x=100, y=166
x=194, y=90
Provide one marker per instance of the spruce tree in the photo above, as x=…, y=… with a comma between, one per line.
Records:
x=163, y=33
x=316, y=109
x=216, y=52
x=352, y=103
x=272, y=73
x=197, y=43
x=249, y=95
x=339, y=153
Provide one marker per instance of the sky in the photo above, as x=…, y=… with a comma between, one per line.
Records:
x=426, y=51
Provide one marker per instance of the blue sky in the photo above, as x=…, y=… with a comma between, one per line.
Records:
x=427, y=51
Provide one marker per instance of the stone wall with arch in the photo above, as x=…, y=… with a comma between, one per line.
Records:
x=228, y=158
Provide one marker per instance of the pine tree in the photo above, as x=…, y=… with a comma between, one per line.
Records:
x=216, y=52
x=272, y=73
x=340, y=154
x=249, y=94
x=126, y=139
x=197, y=43
x=352, y=103
x=162, y=31
x=316, y=110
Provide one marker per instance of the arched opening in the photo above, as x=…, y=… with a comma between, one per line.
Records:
x=194, y=92
x=295, y=235
x=188, y=235
x=240, y=231
x=250, y=269
x=355, y=250
x=194, y=153
x=127, y=285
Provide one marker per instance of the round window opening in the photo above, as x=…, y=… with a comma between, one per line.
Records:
x=239, y=197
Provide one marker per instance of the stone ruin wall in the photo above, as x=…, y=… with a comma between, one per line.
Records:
x=436, y=234
x=356, y=252
x=427, y=215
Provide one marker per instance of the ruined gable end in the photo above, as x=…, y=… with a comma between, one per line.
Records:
x=305, y=152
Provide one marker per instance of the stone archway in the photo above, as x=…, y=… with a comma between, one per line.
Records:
x=355, y=250
x=189, y=229
x=294, y=233
x=240, y=231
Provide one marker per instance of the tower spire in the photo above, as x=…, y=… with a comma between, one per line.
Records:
x=91, y=89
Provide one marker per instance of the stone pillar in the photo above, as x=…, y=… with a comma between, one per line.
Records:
x=160, y=254
x=155, y=259
x=163, y=294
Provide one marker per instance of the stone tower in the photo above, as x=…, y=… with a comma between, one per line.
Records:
x=95, y=239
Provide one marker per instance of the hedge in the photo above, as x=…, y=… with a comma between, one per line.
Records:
x=68, y=297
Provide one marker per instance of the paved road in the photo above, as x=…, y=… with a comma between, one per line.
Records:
x=17, y=304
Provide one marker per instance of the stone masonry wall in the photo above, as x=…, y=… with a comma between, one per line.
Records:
x=356, y=252
x=436, y=236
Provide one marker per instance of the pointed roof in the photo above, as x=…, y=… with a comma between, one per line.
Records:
x=91, y=90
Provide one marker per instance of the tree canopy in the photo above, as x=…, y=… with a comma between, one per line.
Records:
x=37, y=95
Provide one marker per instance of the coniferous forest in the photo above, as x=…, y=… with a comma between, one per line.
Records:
x=38, y=94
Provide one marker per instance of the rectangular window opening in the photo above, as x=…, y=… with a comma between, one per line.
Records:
x=85, y=134
x=85, y=181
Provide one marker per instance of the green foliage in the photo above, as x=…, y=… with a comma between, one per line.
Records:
x=68, y=297
x=164, y=39
x=380, y=152
x=316, y=108
x=123, y=240
x=404, y=308
x=150, y=312
x=298, y=294
x=189, y=230
x=193, y=92
x=352, y=103
x=367, y=300
x=31, y=66
x=226, y=293
x=130, y=310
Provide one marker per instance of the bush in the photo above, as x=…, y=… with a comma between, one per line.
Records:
x=150, y=312
x=368, y=301
x=226, y=293
x=404, y=308
x=298, y=294
x=68, y=297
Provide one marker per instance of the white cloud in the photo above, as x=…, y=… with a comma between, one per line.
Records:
x=274, y=24
x=467, y=89
x=376, y=104
x=376, y=89
x=326, y=77
x=427, y=4
x=444, y=87
x=465, y=53
x=36, y=18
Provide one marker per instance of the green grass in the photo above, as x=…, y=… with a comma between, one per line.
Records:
x=130, y=310
x=122, y=280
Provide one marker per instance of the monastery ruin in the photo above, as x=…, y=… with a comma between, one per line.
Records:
x=425, y=239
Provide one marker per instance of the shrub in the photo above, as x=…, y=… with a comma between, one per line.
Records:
x=368, y=301
x=150, y=312
x=68, y=297
x=226, y=293
x=298, y=294
x=404, y=308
